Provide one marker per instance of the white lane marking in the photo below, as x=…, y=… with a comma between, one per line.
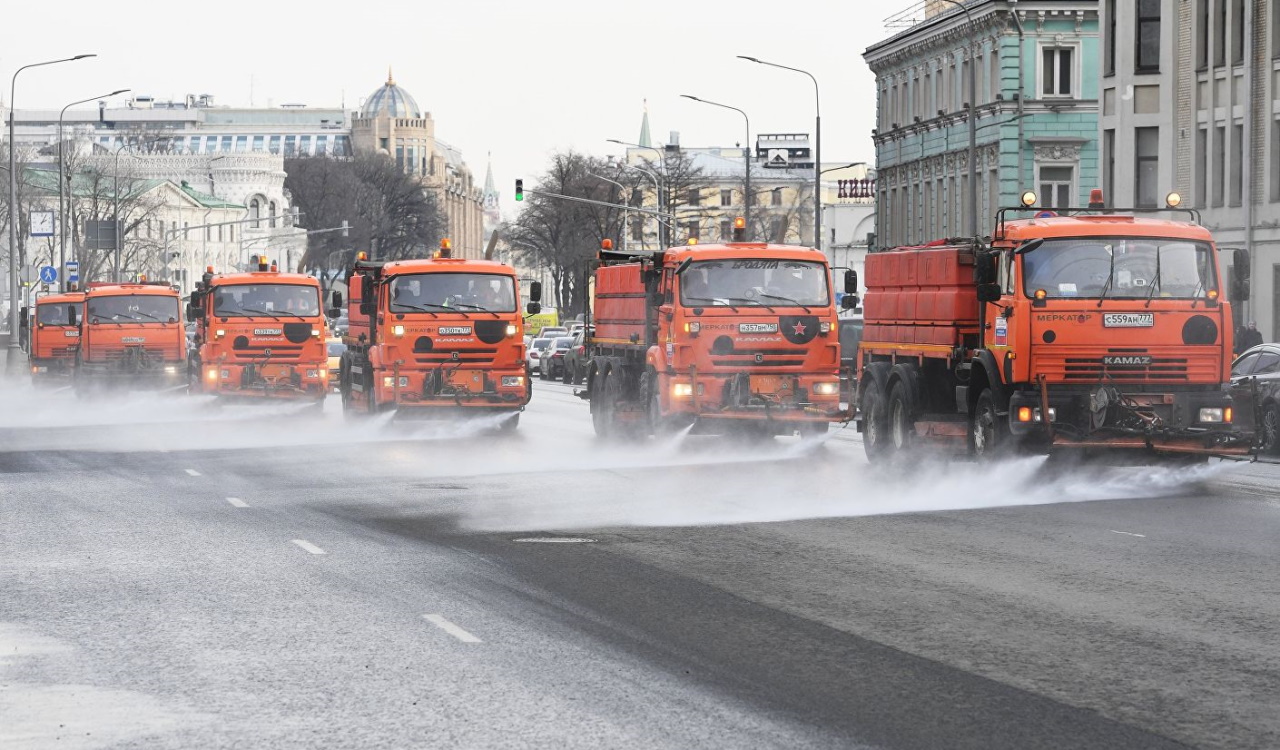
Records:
x=192, y=472
x=308, y=546
x=1126, y=533
x=237, y=502
x=451, y=629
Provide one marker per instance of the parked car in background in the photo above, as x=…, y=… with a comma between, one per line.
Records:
x=339, y=324
x=534, y=352
x=1255, y=395
x=336, y=348
x=551, y=364
x=551, y=332
x=576, y=359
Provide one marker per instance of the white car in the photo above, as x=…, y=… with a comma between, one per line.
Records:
x=550, y=332
x=535, y=351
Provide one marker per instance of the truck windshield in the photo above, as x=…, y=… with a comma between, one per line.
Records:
x=433, y=292
x=1119, y=267
x=54, y=313
x=243, y=300
x=133, y=308
x=754, y=281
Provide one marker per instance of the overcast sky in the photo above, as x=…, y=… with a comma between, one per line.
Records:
x=520, y=80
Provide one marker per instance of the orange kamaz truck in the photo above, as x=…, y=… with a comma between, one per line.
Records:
x=435, y=338
x=1091, y=329
x=54, y=335
x=260, y=335
x=738, y=337
x=131, y=335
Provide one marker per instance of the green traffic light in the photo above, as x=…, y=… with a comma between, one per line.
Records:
x=519, y=190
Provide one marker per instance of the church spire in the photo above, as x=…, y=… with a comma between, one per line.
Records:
x=645, y=140
x=390, y=80
x=489, y=187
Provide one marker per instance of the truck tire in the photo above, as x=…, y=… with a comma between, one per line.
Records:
x=989, y=436
x=875, y=422
x=901, y=424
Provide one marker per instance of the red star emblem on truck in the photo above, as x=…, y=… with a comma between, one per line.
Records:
x=798, y=328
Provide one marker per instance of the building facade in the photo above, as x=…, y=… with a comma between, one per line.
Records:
x=1033, y=68
x=1191, y=103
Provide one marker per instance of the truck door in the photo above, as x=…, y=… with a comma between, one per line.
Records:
x=1002, y=333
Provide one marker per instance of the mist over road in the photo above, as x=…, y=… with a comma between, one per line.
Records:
x=178, y=574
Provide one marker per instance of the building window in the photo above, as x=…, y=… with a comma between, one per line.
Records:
x=211, y=144
x=1146, y=167
x=322, y=145
x=726, y=197
x=242, y=142
x=255, y=211
x=1202, y=34
x=257, y=143
x=226, y=143
x=304, y=145
x=275, y=144
x=1057, y=72
x=1275, y=31
x=692, y=229
x=637, y=228
x=695, y=197
x=1109, y=52
x=271, y=212
x=1201, y=173
x=1220, y=36
x=726, y=231
x=775, y=197
x=1108, y=163
x=1056, y=186
x=1237, y=165
x=1219, y=164
x=777, y=229
x=290, y=145
x=1147, y=52
x=1237, y=31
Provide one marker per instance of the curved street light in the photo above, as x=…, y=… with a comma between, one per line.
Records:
x=62, y=182
x=14, y=289
x=746, y=158
x=817, y=147
x=663, y=227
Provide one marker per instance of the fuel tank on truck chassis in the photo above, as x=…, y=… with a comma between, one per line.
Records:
x=260, y=336
x=1097, y=331
x=434, y=338
x=717, y=337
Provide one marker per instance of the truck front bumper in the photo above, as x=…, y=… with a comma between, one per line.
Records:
x=267, y=382
x=507, y=389
x=794, y=398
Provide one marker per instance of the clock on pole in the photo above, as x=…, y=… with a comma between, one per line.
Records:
x=41, y=223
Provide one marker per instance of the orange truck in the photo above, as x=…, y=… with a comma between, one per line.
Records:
x=260, y=335
x=737, y=337
x=435, y=338
x=1093, y=329
x=54, y=335
x=131, y=335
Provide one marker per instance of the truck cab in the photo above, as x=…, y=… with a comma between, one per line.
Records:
x=54, y=334
x=260, y=335
x=131, y=335
x=435, y=337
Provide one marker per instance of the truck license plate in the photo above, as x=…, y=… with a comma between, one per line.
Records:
x=1128, y=320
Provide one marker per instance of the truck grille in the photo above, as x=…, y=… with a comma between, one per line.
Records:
x=1127, y=365
x=287, y=354
x=461, y=356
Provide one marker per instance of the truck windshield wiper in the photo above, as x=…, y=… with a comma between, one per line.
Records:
x=140, y=312
x=715, y=300
x=1111, y=274
x=418, y=308
x=469, y=306
x=1154, y=282
x=788, y=300
x=272, y=313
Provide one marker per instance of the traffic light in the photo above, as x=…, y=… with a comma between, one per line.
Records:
x=519, y=190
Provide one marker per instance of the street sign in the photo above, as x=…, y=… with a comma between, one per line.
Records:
x=73, y=271
x=48, y=274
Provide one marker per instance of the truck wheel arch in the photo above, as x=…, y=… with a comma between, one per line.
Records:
x=986, y=373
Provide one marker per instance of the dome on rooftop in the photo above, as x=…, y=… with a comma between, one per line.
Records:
x=391, y=100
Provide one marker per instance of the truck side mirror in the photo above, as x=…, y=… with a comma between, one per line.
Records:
x=984, y=269
x=192, y=313
x=333, y=312
x=988, y=292
x=1240, y=289
x=22, y=317
x=336, y=298
x=366, y=295
x=850, y=281
x=533, y=308
x=1240, y=263
x=849, y=301
x=535, y=292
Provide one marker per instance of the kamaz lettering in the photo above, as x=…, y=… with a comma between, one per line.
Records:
x=1126, y=360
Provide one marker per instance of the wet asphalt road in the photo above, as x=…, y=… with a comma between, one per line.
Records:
x=175, y=575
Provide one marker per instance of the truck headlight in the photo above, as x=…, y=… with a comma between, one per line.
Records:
x=219, y=333
x=681, y=390
x=388, y=381
x=211, y=375
x=397, y=330
x=512, y=381
x=511, y=329
x=826, y=389
x=170, y=369
x=693, y=326
x=1215, y=414
x=824, y=327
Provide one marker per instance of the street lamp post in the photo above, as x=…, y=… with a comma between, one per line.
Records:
x=62, y=182
x=115, y=212
x=817, y=148
x=658, y=188
x=626, y=212
x=14, y=289
x=973, y=124
x=746, y=158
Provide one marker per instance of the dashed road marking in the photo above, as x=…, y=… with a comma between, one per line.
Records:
x=192, y=472
x=308, y=546
x=440, y=622
x=237, y=502
x=1128, y=533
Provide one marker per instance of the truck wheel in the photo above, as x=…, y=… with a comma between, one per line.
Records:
x=902, y=430
x=875, y=422
x=988, y=434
